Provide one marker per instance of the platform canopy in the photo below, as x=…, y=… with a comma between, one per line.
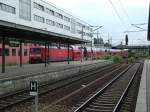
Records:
x=12, y=30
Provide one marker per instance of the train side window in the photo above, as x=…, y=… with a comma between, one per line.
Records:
x=0, y=52
x=6, y=52
x=18, y=52
x=25, y=52
x=13, y=52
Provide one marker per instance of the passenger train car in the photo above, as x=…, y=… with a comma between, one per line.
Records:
x=36, y=53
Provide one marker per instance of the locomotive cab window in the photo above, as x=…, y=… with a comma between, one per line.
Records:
x=35, y=50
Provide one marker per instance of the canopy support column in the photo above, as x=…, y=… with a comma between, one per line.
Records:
x=45, y=55
x=21, y=53
x=3, y=54
x=68, y=54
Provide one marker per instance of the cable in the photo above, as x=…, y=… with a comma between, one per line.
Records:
x=117, y=14
x=124, y=11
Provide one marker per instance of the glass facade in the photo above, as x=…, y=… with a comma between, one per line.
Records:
x=66, y=27
x=59, y=15
x=38, y=6
x=7, y=8
x=66, y=19
x=50, y=22
x=25, y=9
x=39, y=19
x=59, y=25
x=51, y=12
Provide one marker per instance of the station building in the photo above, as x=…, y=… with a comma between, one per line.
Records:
x=41, y=15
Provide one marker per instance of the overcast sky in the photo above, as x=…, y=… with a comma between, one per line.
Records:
x=101, y=12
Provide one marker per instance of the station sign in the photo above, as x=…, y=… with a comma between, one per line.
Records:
x=33, y=88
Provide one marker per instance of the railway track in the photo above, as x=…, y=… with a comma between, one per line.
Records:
x=18, y=97
x=110, y=98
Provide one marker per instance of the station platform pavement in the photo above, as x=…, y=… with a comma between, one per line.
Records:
x=16, y=71
x=143, y=100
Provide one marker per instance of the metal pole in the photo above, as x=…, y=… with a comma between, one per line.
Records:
x=45, y=55
x=91, y=49
x=68, y=54
x=81, y=44
x=36, y=103
x=97, y=39
x=48, y=54
x=3, y=54
x=20, y=53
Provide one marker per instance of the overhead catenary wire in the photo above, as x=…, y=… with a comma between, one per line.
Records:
x=124, y=11
x=119, y=17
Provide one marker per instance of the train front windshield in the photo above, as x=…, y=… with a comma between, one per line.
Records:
x=35, y=50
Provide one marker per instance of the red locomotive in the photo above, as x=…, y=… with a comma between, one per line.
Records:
x=36, y=53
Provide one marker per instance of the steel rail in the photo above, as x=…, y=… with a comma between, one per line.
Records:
x=81, y=108
x=24, y=95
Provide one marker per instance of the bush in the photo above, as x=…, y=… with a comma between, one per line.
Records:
x=107, y=57
x=130, y=60
x=117, y=59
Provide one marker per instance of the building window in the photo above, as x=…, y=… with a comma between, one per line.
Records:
x=51, y=12
x=50, y=22
x=25, y=9
x=79, y=32
x=13, y=52
x=87, y=27
x=66, y=19
x=59, y=25
x=66, y=27
x=7, y=8
x=39, y=19
x=25, y=52
x=6, y=52
x=38, y=6
x=59, y=15
x=79, y=24
x=91, y=29
x=73, y=26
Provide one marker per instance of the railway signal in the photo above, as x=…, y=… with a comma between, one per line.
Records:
x=34, y=92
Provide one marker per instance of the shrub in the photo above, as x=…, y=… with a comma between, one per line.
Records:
x=130, y=60
x=107, y=57
x=117, y=59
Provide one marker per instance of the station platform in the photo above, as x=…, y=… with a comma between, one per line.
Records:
x=143, y=100
x=17, y=78
x=16, y=71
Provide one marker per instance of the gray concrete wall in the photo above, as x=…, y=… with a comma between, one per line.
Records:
x=21, y=82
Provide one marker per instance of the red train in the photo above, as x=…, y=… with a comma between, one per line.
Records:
x=36, y=53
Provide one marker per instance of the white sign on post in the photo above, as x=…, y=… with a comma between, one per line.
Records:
x=34, y=92
x=33, y=88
